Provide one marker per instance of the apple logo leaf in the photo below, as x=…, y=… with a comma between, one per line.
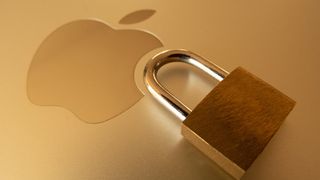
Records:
x=137, y=16
x=87, y=67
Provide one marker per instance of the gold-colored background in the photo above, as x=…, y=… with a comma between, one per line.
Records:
x=277, y=40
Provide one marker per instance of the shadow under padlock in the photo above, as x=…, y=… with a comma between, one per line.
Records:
x=234, y=122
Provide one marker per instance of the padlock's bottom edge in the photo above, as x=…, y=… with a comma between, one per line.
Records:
x=222, y=161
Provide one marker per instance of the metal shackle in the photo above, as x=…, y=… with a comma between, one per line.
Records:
x=161, y=93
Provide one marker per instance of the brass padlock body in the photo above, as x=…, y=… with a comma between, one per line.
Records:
x=235, y=121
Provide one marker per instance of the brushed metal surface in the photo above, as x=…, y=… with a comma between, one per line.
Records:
x=271, y=38
x=238, y=118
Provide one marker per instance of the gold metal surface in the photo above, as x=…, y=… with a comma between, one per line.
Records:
x=271, y=38
x=87, y=67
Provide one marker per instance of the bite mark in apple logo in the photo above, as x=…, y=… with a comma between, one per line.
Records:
x=87, y=67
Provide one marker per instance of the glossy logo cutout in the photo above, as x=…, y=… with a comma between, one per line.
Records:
x=88, y=67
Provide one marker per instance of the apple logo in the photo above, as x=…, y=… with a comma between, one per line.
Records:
x=87, y=67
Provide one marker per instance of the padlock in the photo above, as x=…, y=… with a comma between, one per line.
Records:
x=234, y=122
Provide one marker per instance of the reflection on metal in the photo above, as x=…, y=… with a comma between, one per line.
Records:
x=170, y=56
x=137, y=16
x=87, y=67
